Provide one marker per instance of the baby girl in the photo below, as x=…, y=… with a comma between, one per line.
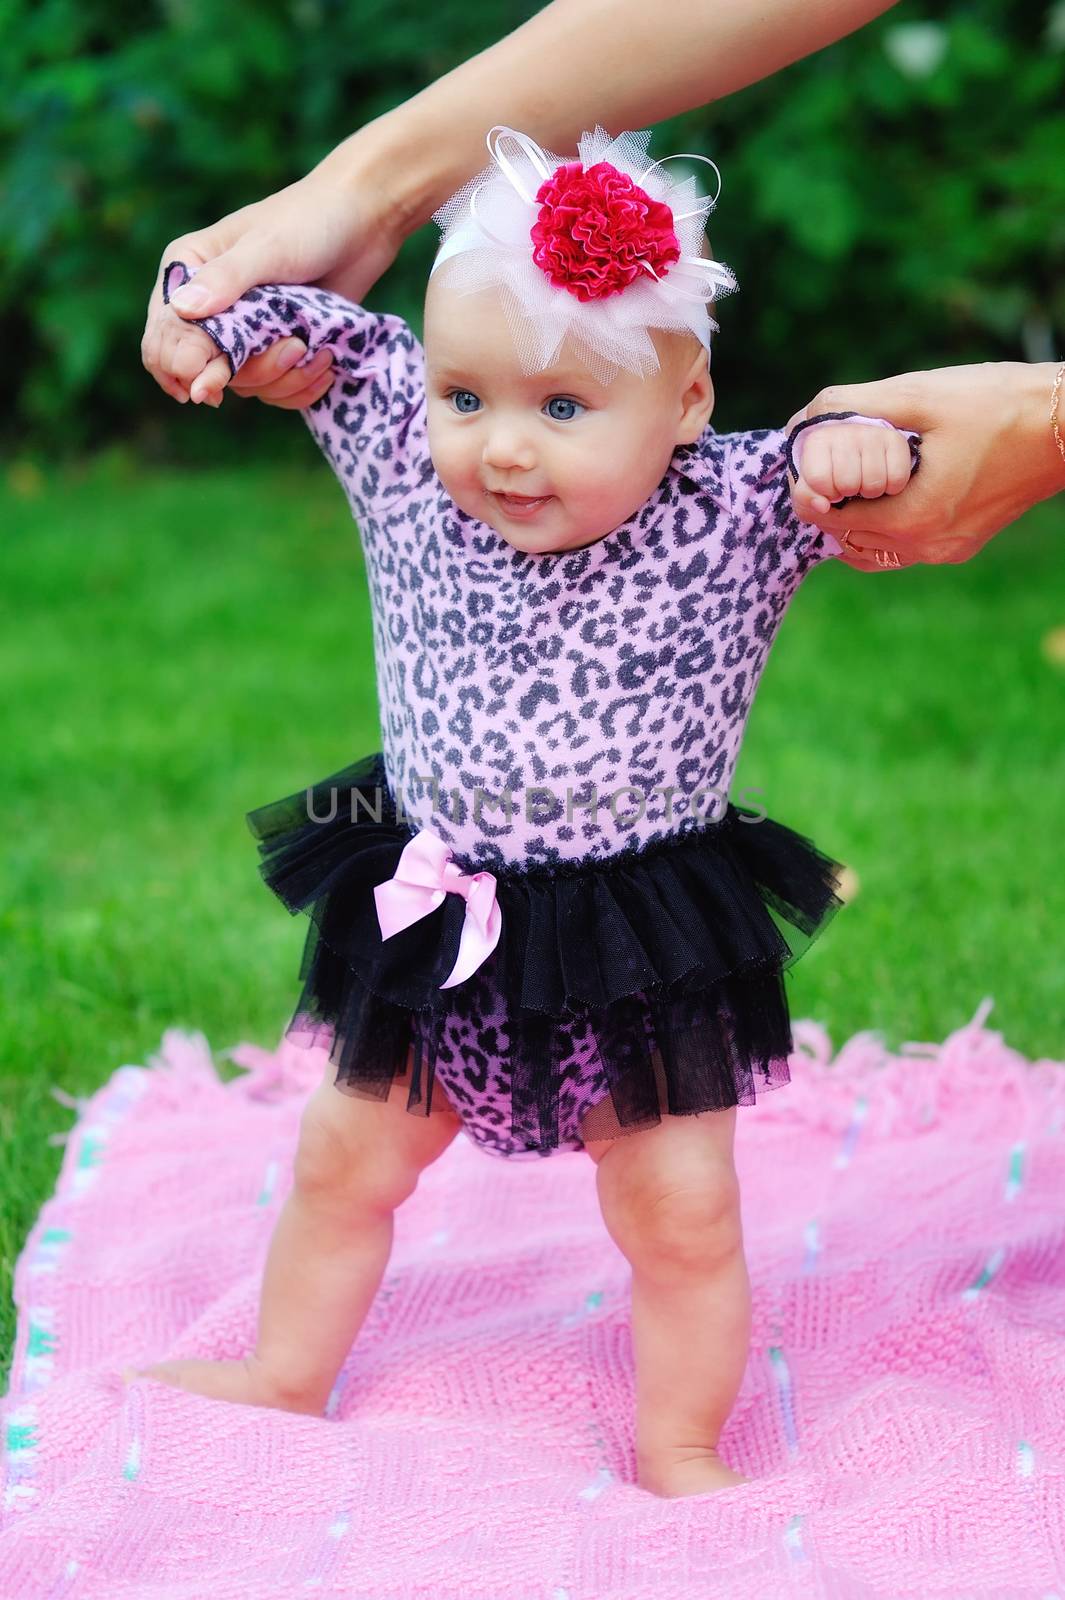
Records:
x=527, y=922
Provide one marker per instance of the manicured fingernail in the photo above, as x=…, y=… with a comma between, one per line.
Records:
x=190, y=297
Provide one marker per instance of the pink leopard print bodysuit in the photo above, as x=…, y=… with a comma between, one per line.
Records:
x=605, y=690
x=610, y=674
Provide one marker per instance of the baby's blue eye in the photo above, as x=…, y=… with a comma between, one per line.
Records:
x=459, y=397
x=560, y=400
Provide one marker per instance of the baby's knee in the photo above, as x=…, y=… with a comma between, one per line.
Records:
x=341, y=1166
x=667, y=1220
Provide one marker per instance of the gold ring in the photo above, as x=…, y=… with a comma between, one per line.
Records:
x=884, y=558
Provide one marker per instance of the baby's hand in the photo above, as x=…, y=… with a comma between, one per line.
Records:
x=849, y=458
x=189, y=355
x=215, y=374
x=195, y=360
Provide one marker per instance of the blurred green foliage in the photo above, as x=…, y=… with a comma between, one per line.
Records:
x=895, y=201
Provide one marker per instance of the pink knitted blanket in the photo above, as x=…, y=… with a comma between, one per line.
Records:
x=902, y=1415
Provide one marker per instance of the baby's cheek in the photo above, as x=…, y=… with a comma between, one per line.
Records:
x=593, y=498
x=628, y=477
x=450, y=465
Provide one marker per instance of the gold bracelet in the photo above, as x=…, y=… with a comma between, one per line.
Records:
x=1055, y=392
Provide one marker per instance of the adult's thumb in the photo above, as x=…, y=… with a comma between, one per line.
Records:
x=898, y=400
x=218, y=283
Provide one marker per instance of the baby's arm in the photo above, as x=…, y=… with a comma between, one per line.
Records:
x=779, y=478
x=370, y=424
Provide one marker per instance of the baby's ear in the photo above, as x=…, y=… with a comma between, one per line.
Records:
x=697, y=403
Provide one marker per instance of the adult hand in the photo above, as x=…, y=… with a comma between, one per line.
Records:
x=987, y=454
x=332, y=227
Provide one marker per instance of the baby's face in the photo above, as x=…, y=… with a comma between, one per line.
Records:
x=591, y=453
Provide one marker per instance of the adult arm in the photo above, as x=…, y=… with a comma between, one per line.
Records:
x=341, y=227
x=646, y=66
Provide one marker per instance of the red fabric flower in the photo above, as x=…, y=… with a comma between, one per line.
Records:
x=595, y=228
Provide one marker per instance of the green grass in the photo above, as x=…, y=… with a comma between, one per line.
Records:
x=178, y=648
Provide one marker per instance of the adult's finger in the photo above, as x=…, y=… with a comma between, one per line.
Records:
x=293, y=389
x=269, y=367
x=297, y=399
x=250, y=260
x=891, y=523
x=809, y=507
x=902, y=400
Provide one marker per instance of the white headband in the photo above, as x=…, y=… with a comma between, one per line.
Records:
x=600, y=249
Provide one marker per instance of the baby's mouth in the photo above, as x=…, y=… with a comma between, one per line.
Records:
x=519, y=505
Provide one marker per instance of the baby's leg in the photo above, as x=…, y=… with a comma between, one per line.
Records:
x=670, y=1200
x=357, y=1160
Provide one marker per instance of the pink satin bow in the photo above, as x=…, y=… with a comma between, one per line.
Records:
x=424, y=874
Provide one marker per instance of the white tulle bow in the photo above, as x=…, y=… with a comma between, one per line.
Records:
x=486, y=241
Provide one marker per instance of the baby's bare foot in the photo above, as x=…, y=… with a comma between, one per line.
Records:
x=240, y=1382
x=699, y=1474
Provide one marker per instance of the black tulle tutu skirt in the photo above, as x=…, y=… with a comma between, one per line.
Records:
x=651, y=982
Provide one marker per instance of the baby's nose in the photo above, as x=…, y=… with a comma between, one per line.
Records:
x=508, y=447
